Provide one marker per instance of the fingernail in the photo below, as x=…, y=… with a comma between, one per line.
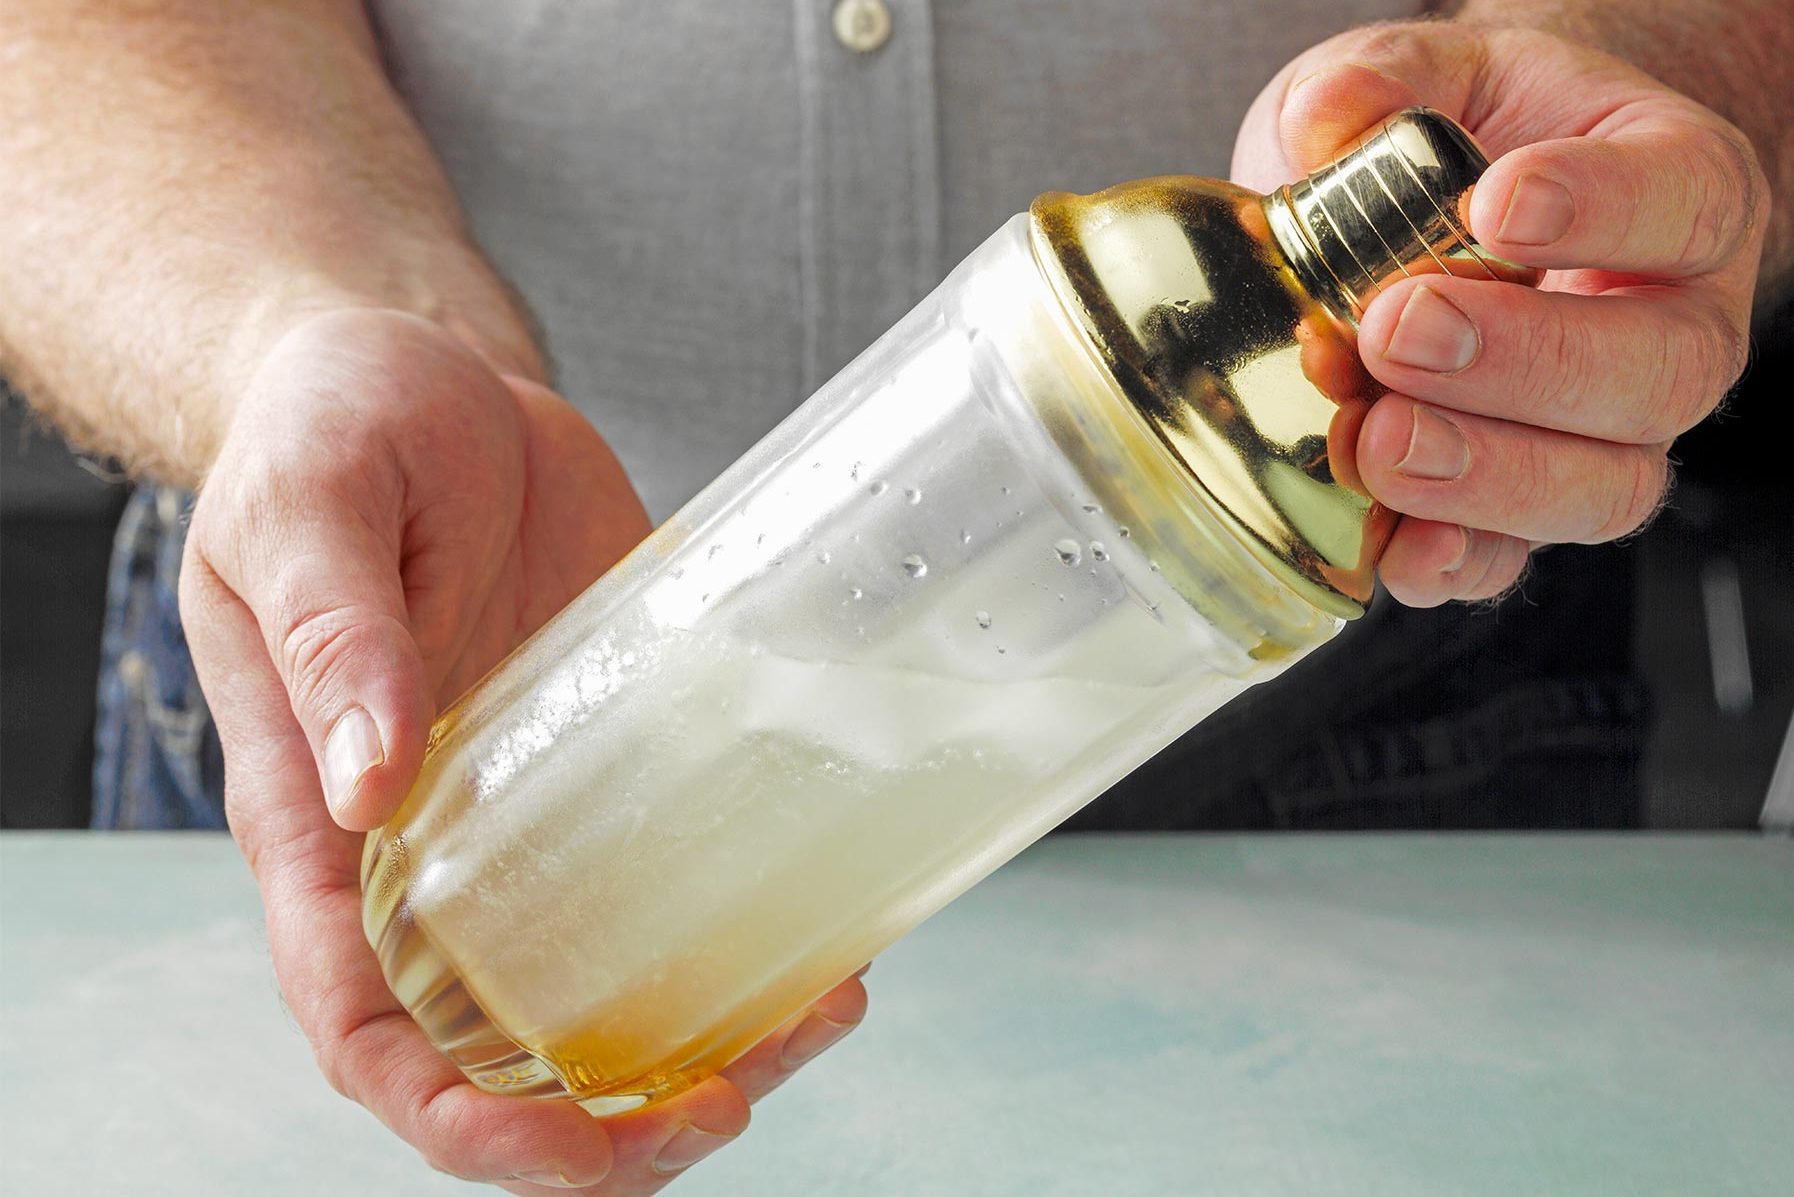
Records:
x=813, y=1034
x=1457, y=562
x=1538, y=212
x=558, y=1180
x=686, y=1148
x=1436, y=449
x=351, y=749
x=1433, y=334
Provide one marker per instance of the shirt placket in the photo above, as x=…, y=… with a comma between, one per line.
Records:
x=869, y=199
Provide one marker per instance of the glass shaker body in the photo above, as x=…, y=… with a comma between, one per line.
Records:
x=955, y=596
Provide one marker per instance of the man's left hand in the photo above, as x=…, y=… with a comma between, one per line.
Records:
x=1518, y=417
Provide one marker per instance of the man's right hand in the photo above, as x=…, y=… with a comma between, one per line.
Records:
x=387, y=518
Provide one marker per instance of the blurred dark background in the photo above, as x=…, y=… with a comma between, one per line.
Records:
x=1645, y=684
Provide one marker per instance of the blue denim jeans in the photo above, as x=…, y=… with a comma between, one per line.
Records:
x=1525, y=715
x=157, y=762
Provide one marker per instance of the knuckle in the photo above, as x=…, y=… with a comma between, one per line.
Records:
x=1635, y=503
x=312, y=651
x=1695, y=379
x=448, y=1147
x=1393, y=41
x=1503, y=570
x=1733, y=194
x=1527, y=487
x=331, y=1056
x=1746, y=184
x=338, y=1046
x=1727, y=346
x=1557, y=356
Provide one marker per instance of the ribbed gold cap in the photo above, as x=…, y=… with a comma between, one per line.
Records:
x=1393, y=205
x=1228, y=320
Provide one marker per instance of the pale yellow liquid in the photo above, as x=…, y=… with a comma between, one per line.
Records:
x=817, y=852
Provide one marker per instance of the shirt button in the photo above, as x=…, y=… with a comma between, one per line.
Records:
x=862, y=25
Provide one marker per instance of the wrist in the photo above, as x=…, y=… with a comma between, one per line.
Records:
x=457, y=292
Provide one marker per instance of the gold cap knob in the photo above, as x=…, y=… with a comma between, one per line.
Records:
x=1393, y=205
x=1228, y=321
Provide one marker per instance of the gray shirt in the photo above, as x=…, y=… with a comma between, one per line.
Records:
x=713, y=207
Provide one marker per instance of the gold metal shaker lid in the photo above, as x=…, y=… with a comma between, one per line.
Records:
x=1229, y=319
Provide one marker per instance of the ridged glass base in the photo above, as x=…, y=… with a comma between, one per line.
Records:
x=425, y=983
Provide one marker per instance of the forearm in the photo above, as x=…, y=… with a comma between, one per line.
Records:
x=1734, y=56
x=182, y=182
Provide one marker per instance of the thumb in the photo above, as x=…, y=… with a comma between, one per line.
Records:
x=1333, y=94
x=324, y=586
x=1327, y=111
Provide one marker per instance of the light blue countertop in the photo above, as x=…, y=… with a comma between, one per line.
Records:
x=1107, y=1015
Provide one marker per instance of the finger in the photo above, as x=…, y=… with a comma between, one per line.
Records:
x=654, y=1144
x=366, y=1044
x=1325, y=112
x=324, y=586
x=1428, y=563
x=1526, y=482
x=802, y=1038
x=1665, y=190
x=1636, y=367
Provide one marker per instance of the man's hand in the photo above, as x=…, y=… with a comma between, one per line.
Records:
x=1518, y=417
x=386, y=519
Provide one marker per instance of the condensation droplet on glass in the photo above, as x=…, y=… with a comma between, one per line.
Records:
x=1098, y=552
x=915, y=566
x=1068, y=551
x=715, y=549
x=857, y=593
x=1001, y=649
x=965, y=537
x=1153, y=565
x=855, y=472
x=1091, y=509
x=823, y=557
x=1005, y=490
x=1123, y=530
x=760, y=539
x=983, y=618
x=879, y=487
x=913, y=494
